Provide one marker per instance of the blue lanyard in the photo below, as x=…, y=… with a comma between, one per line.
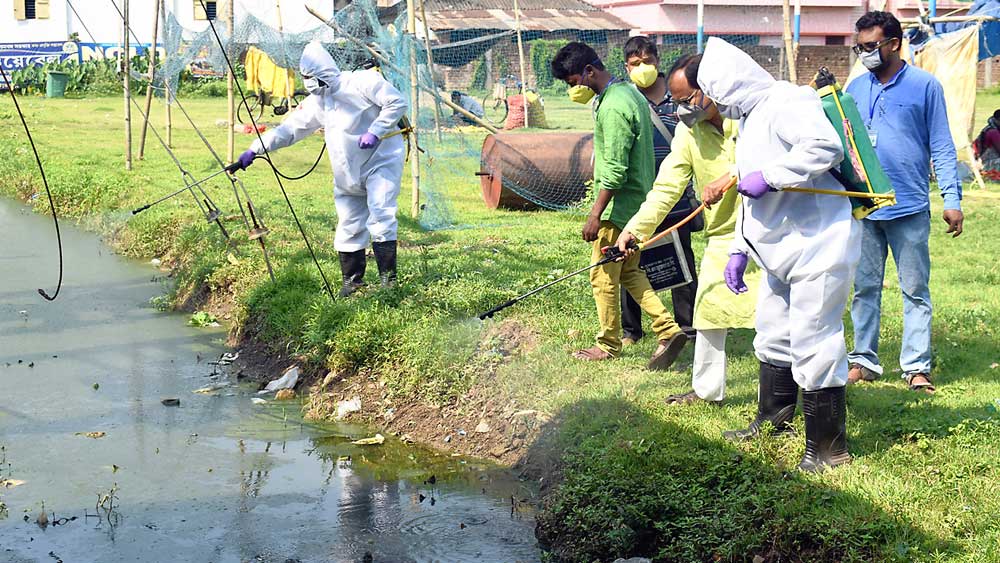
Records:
x=892, y=81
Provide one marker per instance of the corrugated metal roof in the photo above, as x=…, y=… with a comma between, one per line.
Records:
x=531, y=20
x=466, y=5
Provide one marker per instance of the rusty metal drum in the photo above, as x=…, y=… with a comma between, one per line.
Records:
x=531, y=170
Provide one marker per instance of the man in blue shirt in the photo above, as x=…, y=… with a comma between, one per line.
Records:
x=904, y=112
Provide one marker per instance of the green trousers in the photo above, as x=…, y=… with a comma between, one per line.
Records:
x=607, y=281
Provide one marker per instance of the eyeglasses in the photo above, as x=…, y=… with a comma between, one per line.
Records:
x=870, y=46
x=687, y=100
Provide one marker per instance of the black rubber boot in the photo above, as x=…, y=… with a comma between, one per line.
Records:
x=775, y=403
x=352, y=266
x=385, y=257
x=825, y=412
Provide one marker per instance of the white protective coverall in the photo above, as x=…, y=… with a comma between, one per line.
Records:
x=807, y=244
x=366, y=181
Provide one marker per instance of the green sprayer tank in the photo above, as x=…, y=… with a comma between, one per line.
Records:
x=860, y=170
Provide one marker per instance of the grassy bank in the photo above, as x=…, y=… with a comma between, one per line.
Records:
x=624, y=474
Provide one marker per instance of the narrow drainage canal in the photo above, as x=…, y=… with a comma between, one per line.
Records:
x=217, y=479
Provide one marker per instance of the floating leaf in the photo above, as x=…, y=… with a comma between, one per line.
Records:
x=94, y=435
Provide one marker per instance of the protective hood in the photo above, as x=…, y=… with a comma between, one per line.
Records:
x=731, y=77
x=318, y=63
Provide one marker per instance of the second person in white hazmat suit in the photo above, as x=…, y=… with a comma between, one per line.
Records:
x=807, y=244
x=355, y=109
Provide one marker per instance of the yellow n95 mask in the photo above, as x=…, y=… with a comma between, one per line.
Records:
x=644, y=75
x=581, y=94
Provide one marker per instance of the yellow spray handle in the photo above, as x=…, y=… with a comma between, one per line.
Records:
x=841, y=193
x=684, y=221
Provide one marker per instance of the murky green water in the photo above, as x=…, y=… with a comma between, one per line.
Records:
x=217, y=479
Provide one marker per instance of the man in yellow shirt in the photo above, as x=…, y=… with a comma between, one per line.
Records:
x=703, y=149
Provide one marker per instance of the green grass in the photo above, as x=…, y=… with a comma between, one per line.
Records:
x=636, y=477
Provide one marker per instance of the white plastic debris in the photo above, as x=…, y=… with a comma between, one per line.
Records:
x=258, y=401
x=345, y=408
x=287, y=380
x=373, y=441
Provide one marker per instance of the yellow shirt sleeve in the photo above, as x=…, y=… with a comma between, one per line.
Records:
x=671, y=180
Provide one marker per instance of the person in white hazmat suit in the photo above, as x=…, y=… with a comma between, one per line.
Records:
x=355, y=109
x=807, y=244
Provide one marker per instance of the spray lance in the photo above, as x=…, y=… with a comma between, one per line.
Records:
x=611, y=254
x=614, y=254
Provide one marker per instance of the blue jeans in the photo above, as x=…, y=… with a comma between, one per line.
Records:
x=907, y=238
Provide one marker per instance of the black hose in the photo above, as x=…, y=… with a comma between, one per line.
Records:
x=45, y=182
x=312, y=168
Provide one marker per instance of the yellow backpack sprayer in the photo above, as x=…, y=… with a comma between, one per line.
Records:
x=860, y=170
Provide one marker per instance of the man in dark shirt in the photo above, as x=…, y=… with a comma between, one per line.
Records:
x=641, y=54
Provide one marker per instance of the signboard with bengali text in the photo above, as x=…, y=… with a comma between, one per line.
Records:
x=15, y=56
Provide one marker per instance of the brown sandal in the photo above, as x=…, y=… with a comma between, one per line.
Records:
x=857, y=372
x=926, y=385
x=595, y=354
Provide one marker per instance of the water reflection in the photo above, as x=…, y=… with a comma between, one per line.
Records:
x=216, y=478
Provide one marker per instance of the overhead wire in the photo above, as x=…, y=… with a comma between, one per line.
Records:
x=45, y=182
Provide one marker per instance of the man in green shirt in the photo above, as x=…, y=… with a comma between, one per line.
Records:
x=624, y=169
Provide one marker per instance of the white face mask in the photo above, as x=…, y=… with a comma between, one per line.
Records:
x=313, y=85
x=873, y=61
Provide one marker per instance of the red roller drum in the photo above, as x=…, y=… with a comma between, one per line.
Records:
x=530, y=170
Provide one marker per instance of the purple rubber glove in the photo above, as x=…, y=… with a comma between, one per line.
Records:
x=246, y=159
x=368, y=141
x=753, y=185
x=734, y=273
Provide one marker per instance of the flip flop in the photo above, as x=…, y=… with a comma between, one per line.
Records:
x=664, y=358
x=595, y=354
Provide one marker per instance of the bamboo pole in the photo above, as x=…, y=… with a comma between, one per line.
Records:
x=411, y=24
x=230, y=85
x=127, y=84
x=520, y=56
x=289, y=86
x=701, y=25
x=152, y=75
x=169, y=125
x=430, y=69
x=787, y=33
x=911, y=22
x=796, y=31
x=332, y=24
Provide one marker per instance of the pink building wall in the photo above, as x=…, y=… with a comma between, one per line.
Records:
x=824, y=22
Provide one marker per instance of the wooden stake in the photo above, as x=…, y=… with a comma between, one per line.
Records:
x=411, y=24
x=230, y=82
x=127, y=96
x=152, y=75
x=430, y=69
x=789, y=50
x=520, y=56
x=166, y=84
